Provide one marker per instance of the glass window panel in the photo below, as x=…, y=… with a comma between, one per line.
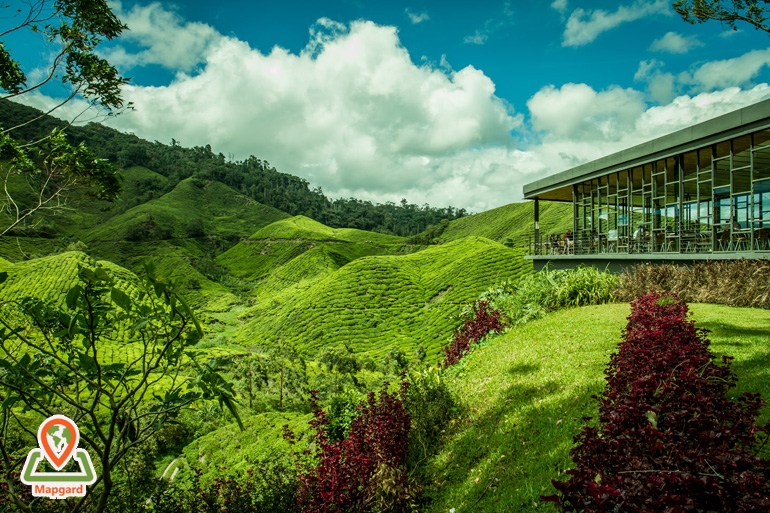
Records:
x=722, y=149
x=722, y=172
x=704, y=159
x=762, y=163
x=742, y=151
x=689, y=164
x=762, y=204
x=672, y=169
x=741, y=180
x=762, y=138
x=704, y=189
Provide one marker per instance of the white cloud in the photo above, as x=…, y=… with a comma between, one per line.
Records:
x=584, y=26
x=579, y=112
x=663, y=86
x=165, y=37
x=672, y=42
x=559, y=5
x=478, y=38
x=351, y=112
x=729, y=72
x=416, y=18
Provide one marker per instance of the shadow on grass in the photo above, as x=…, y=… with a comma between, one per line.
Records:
x=723, y=330
x=504, y=461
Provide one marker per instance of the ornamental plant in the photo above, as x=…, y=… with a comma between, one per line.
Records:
x=364, y=472
x=668, y=439
x=476, y=325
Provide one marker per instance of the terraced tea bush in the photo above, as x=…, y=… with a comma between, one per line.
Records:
x=727, y=282
x=668, y=438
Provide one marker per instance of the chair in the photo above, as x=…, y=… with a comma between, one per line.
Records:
x=612, y=241
x=725, y=243
x=762, y=239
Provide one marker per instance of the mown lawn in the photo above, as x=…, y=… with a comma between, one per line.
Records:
x=526, y=392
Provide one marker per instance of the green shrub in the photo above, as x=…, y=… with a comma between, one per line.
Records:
x=431, y=406
x=534, y=295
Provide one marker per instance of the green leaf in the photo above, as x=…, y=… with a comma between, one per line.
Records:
x=87, y=362
x=72, y=296
x=121, y=299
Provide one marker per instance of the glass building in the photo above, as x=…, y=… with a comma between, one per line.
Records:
x=699, y=193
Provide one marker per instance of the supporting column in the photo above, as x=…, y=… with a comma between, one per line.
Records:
x=538, y=246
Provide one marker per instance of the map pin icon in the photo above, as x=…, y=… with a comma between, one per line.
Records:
x=58, y=437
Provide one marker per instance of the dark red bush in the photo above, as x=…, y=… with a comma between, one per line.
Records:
x=365, y=471
x=668, y=439
x=481, y=321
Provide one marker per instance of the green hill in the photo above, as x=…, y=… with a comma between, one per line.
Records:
x=299, y=250
x=51, y=277
x=190, y=210
x=377, y=302
x=514, y=222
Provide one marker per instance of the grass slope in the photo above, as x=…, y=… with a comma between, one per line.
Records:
x=527, y=391
x=514, y=221
x=377, y=302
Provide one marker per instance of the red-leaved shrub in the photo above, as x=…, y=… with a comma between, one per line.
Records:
x=482, y=320
x=668, y=439
x=365, y=471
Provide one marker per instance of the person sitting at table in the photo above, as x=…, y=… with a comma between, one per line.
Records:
x=639, y=233
x=567, y=236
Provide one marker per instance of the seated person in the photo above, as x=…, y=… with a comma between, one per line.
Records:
x=567, y=236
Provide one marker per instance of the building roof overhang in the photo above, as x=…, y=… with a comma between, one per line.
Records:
x=558, y=187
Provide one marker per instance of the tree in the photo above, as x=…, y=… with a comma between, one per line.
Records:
x=289, y=368
x=113, y=358
x=730, y=12
x=38, y=180
x=75, y=27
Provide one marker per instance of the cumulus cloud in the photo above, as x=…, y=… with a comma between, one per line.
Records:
x=672, y=42
x=664, y=86
x=163, y=37
x=730, y=72
x=579, y=112
x=584, y=26
x=351, y=112
x=416, y=18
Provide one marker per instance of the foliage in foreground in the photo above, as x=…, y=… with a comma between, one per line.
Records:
x=726, y=282
x=366, y=471
x=668, y=439
x=56, y=360
x=534, y=295
x=476, y=325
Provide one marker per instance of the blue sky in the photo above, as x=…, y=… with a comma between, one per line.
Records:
x=443, y=102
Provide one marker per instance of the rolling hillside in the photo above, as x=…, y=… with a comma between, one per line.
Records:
x=512, y=222
x=299, y=250
x=377, y=302
x=189, y=210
